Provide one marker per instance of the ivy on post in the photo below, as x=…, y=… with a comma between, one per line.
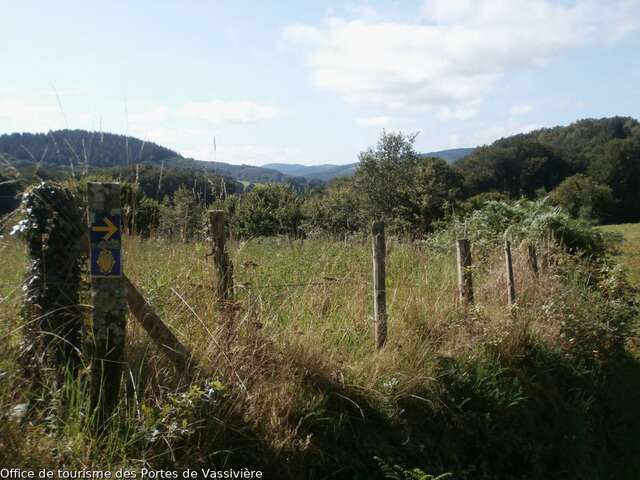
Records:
x=53, y=228
x=224, y=267
x=108, y=296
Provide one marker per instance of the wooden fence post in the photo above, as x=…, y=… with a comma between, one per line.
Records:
x=511, y=288
x=108, y=296
x=221, y=258
x=532, y=259
x=379, y=288
x=465, y=277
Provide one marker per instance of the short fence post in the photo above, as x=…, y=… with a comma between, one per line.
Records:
x=511, y=289
x=532, y=259
x=108, y=295
x=221, y=258
x=465, y=277
x=379, y=289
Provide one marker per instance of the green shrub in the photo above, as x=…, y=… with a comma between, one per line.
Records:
x=267, y=210
x=583, y=197
x=525, y=221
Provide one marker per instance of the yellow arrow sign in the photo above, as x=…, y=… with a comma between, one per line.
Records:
x=109, y=228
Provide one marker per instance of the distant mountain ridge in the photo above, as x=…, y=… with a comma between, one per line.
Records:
x=81, y=150
x=314, y=172
x=328, y=171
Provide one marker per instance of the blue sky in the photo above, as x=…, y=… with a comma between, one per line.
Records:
x=315, y=82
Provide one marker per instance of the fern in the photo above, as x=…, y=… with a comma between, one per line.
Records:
x=398, y=472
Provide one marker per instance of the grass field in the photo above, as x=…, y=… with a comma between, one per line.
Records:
x=300, y=391
x=630, y=256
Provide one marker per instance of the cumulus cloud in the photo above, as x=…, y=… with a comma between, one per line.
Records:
x=452, y=53
x=244, y=111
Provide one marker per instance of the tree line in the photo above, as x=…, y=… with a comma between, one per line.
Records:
x=590, y=169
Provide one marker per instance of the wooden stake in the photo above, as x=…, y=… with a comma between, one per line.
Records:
x=465, y=277
x=108, y=296
x=221, y=258
x=511, y=289
x=379, y=289
x=154, y=326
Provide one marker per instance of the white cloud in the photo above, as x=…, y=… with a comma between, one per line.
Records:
x=244, y=111
x=378, y=121
x=451, y=56
x=519, y=110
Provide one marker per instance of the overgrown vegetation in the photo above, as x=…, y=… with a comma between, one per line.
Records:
x=294, y=386
x=289, y=380
x=590, y=168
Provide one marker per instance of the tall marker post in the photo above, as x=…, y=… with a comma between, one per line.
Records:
x=108, y=296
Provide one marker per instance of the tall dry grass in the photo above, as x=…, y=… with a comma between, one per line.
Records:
x=289, y=378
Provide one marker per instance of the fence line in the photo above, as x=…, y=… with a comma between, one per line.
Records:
x=113, y=293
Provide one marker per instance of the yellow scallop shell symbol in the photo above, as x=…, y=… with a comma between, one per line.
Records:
x=105, y=261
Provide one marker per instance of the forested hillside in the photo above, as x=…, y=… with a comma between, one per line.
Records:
x=590, y=168
x=604, y=153
x=79, y=151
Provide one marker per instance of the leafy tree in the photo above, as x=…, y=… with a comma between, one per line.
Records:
x=435, y=187
x=335, y=210
x=403, y=188
x=619, y=168
x=583, y=197
x=147, y=218
x=187, y=214
x=273, y=209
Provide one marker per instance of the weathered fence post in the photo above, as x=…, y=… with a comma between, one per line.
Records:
x=108, y=295
x=221, y=258
x=511, y=288
x=465, y=277
x=532, y=259
x=379, y=288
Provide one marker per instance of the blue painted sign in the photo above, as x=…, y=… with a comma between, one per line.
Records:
x=106, y=248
